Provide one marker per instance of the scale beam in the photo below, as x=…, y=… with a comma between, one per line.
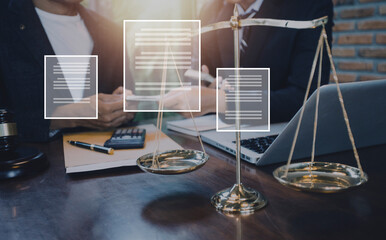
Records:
x=283, y=23
x=267, y=22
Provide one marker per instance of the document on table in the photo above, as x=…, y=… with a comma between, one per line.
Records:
x=82, y=160
x=203, y=123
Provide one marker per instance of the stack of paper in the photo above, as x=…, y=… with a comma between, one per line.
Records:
x=204, y=123
x=82, y=160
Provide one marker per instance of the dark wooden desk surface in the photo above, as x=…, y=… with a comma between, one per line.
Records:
x=126, y=203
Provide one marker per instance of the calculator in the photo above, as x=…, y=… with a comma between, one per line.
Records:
x=127, y=138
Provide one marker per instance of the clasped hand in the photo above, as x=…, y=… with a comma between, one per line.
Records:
x=110, y=112
x=178, y=99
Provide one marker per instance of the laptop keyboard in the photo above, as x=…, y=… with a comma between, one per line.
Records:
x=259, y=144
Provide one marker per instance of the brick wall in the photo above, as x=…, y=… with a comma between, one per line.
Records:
x=359, y=39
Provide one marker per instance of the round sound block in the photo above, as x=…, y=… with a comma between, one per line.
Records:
x=22, y=162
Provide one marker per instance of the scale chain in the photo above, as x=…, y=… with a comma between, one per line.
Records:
x=187, y=103
x=316, y=110
x=345, y=116
x=320, y=42
x=155, y=163
x=323, y=36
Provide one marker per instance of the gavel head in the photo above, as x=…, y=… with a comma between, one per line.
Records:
x=8, y=131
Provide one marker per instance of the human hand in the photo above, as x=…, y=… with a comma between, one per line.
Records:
x=205, y=70
x=129, y=105
x=182, y=100
x=110, y=112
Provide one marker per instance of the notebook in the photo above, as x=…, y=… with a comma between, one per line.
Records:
x=204, y=123
x=82, y=160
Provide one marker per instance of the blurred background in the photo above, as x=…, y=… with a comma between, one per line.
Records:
x=359, y=34
x=359, y=45
x=119, y=10
x=359, y=40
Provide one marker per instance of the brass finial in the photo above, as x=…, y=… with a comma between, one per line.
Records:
x=234, y=22
x=235, y=11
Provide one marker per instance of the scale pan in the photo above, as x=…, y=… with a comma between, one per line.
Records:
x=326, y=177
x=173, y=162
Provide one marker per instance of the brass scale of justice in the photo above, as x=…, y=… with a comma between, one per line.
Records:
x=311, y=176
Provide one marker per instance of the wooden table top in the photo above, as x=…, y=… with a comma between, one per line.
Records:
x=127, y=203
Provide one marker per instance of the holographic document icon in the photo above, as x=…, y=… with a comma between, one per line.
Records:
x=70, y=87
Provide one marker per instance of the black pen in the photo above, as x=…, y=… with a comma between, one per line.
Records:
x=92, y=147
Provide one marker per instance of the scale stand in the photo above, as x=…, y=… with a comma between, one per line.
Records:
x=239, y=199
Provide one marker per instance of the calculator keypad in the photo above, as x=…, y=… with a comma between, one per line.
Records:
x=127, y=138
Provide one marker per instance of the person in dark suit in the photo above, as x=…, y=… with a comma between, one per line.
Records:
x=30, y=29
x=288, y=53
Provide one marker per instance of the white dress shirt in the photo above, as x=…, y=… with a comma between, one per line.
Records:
x=253, y=8
x=68, y=35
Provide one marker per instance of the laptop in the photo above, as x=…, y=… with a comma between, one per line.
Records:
x=365, y=103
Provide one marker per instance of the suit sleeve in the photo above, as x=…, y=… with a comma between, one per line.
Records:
x=2, y=90
x=285, y=102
